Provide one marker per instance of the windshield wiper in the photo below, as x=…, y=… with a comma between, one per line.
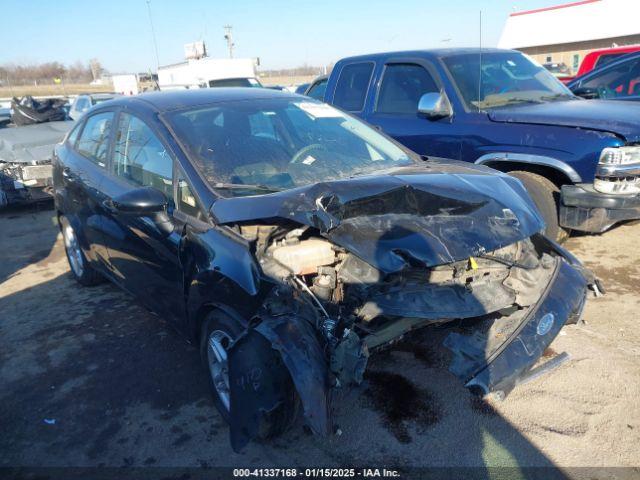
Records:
x=521, y=100
x=242, y=186
x=557, y=96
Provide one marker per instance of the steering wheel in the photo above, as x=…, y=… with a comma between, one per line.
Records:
x=304, y=150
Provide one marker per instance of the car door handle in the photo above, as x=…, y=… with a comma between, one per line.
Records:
x=109, y=206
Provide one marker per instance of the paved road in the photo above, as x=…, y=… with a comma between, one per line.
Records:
x=90, y=378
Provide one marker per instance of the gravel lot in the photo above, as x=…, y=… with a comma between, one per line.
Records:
x=90, y=378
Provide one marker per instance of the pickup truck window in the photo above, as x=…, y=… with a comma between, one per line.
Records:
x=234, y=82
x=606, y=59
x=620, y=81
x=402, y=86
x=508, y=78
x=351, y=89
x=94, y=140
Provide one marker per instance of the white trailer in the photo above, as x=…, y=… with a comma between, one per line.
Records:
x=205, y=72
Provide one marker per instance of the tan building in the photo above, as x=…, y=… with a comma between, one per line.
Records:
x=566, y=33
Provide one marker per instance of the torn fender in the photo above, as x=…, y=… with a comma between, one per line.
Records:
x=259, y=383
x=260, y=363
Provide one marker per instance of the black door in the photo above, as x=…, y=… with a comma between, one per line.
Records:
x=85, y=163
x=144, y=258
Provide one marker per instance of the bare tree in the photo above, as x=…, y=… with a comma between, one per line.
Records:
x=45, y=73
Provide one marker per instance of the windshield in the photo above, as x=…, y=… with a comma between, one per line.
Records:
x=95, y=101
x=235, y=82
x=508, y=78
x=251, y=147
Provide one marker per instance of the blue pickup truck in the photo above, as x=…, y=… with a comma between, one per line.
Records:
x=579, y=159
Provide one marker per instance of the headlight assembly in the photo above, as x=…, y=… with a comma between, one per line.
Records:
x=620, y=155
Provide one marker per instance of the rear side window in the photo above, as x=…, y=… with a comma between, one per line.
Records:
x=402, y=86
x=94, y=140
x=140, y=157
x=352, y=86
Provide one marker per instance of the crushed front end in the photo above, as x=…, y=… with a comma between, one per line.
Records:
x=352, y=274
x=25, y=161
x=22, y=182
x=502, y=295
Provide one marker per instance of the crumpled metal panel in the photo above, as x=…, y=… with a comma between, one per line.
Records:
x=258, y=383
x=435, y=213
x=295, y=339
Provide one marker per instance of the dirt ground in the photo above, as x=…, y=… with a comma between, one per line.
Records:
x=90, y=378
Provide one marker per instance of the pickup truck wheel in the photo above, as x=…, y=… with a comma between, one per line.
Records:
x=218, y=333
x=81, y=270
x=546, y=195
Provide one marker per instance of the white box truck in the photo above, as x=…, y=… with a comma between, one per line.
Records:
x=209, y=72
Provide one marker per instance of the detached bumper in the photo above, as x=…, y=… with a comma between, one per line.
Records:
x=512, y=362
x=585, y=209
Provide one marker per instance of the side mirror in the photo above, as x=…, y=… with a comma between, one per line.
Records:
x=141, y=201
x=586, y=92
x=434, y=105
x=147, y=202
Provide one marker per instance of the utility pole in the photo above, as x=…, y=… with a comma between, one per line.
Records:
x=153, y=35
x=229, y=38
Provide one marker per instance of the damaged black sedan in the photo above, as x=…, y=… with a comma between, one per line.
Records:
x=291, y=241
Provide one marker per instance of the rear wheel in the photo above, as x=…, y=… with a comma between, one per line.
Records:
x=546, y=195
x=219, y=332
x=81, y=270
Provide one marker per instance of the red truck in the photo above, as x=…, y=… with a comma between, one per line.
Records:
x=598, y=58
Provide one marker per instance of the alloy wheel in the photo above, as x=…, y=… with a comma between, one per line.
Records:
x=217, y=345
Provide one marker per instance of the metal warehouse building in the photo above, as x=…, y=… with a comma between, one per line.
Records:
x=566, y=33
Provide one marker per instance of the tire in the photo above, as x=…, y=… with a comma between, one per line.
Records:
x=225, y=330
x=80, y=268
x=546, y=195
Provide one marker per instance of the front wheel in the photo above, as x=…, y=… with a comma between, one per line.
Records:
x=218, y=334
x=546, y=195
x=80, y=268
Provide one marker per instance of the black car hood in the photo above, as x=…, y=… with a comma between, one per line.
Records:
x=620, y=118
x=431, y=214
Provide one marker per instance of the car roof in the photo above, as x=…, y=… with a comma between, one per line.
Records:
x=430, y=53
x=178, y=99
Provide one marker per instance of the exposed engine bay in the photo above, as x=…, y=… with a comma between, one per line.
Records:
x=359, y=309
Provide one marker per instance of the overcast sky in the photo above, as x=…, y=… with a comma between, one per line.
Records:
x=283, y=33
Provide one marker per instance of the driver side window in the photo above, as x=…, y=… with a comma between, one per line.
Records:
x=140, y=157
x=402, y=86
